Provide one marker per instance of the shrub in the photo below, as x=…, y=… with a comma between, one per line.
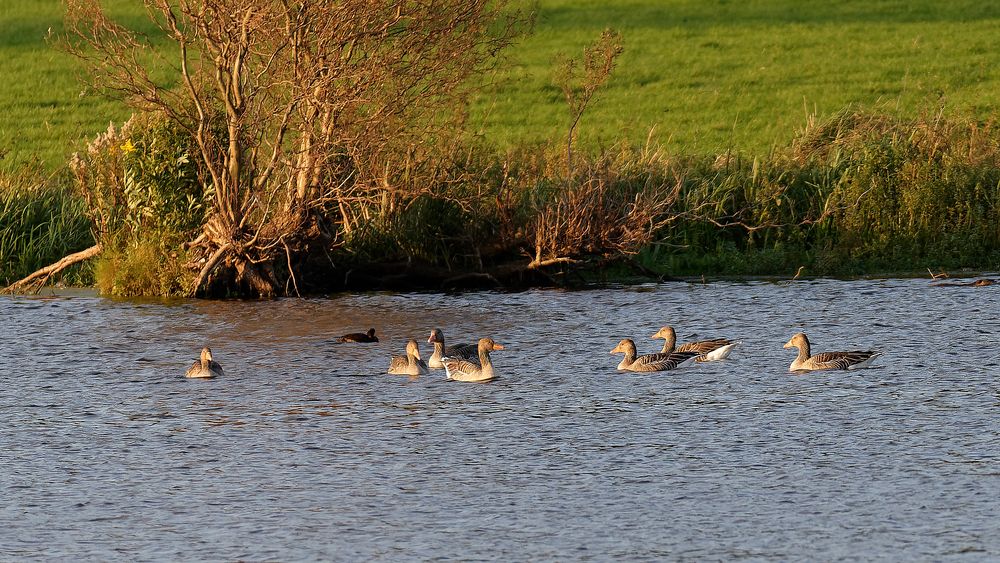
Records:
x=145, y=198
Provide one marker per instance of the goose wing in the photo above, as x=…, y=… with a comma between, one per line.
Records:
x=463, y=351
x=704, y=346
x=843, y=360
x=664, y=362
x=205, y=372
x=464, y=370
x=398, y=364
x=456, y=366
x=646, y=359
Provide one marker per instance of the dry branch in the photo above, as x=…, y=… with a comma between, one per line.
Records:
x=36, y=280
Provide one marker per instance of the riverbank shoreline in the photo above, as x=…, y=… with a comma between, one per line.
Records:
x=957, y=278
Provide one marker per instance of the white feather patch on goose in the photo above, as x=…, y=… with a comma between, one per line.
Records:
x=712, y=350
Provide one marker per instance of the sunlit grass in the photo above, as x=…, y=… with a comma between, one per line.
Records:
x=704, y=76
x=46, y=112
x=40, y=222
x=710, y=76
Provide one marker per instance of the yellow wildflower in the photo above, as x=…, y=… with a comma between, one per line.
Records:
x=128, y=147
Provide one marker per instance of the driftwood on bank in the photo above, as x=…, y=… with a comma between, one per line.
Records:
x=35, y=281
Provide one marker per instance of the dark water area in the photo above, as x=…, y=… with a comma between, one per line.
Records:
x=305, y=450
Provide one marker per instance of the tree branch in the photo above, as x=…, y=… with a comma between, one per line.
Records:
x=38, y=279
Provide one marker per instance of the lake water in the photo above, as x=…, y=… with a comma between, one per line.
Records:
x=304, y=450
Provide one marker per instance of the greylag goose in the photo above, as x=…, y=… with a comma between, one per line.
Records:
x=205, y=367
x=460, y=351
x=827, y=360
x=467, y=370
x=359, y=336
x=410, y=364
x=650, y=362
x=711, y=350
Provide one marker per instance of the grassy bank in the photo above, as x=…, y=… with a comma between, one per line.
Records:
x=753, y=166
x=41, y=220
x=856, y=194
x=707, y=77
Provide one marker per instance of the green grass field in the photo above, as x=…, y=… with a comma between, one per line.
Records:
x=705, y=76
x=711, y=75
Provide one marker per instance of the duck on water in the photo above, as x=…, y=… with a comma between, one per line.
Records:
x=205, y=367
x=359, y=337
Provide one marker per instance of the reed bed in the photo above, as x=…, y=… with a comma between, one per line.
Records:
x=41, y=221
x=854, y=194
x=858, y=193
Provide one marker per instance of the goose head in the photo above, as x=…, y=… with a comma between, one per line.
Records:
x=436, y=336
x=666, y=333
x=624, y=347
x=487, y=345
x=412, y=348
x=798, y=341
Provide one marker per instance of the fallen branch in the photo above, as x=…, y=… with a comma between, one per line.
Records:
x=35, y=281
x=537, y=263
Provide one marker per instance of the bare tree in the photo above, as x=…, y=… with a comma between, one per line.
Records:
x=579, y=85
x=302, y=110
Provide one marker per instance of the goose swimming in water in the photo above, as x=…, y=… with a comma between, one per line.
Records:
x=651, y=362
x=469, y=370
x=205, y=367
x=460, y=351
x=855, y=359
x=711, y=350
x=359, y=337
x=410, y=364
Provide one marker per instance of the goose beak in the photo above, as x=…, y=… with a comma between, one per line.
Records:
x=788, y=344
x=497, y=346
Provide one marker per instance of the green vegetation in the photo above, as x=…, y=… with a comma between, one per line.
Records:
x=731, y=138
x=718, y=75
x=705, y=76
x=855, y=194
x=41, y=221
x=46, y=113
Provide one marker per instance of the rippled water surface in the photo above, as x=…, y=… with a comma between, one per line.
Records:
x=304, y=450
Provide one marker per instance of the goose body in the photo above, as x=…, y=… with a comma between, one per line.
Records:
x=457, y=351
x=460, y=369
x=805, y=361
x=651, y=362
x=711, y=350
x=359, y=337
x=409, y=364
x=204, y=367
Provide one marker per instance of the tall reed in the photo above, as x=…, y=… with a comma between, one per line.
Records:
x=41, y=220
